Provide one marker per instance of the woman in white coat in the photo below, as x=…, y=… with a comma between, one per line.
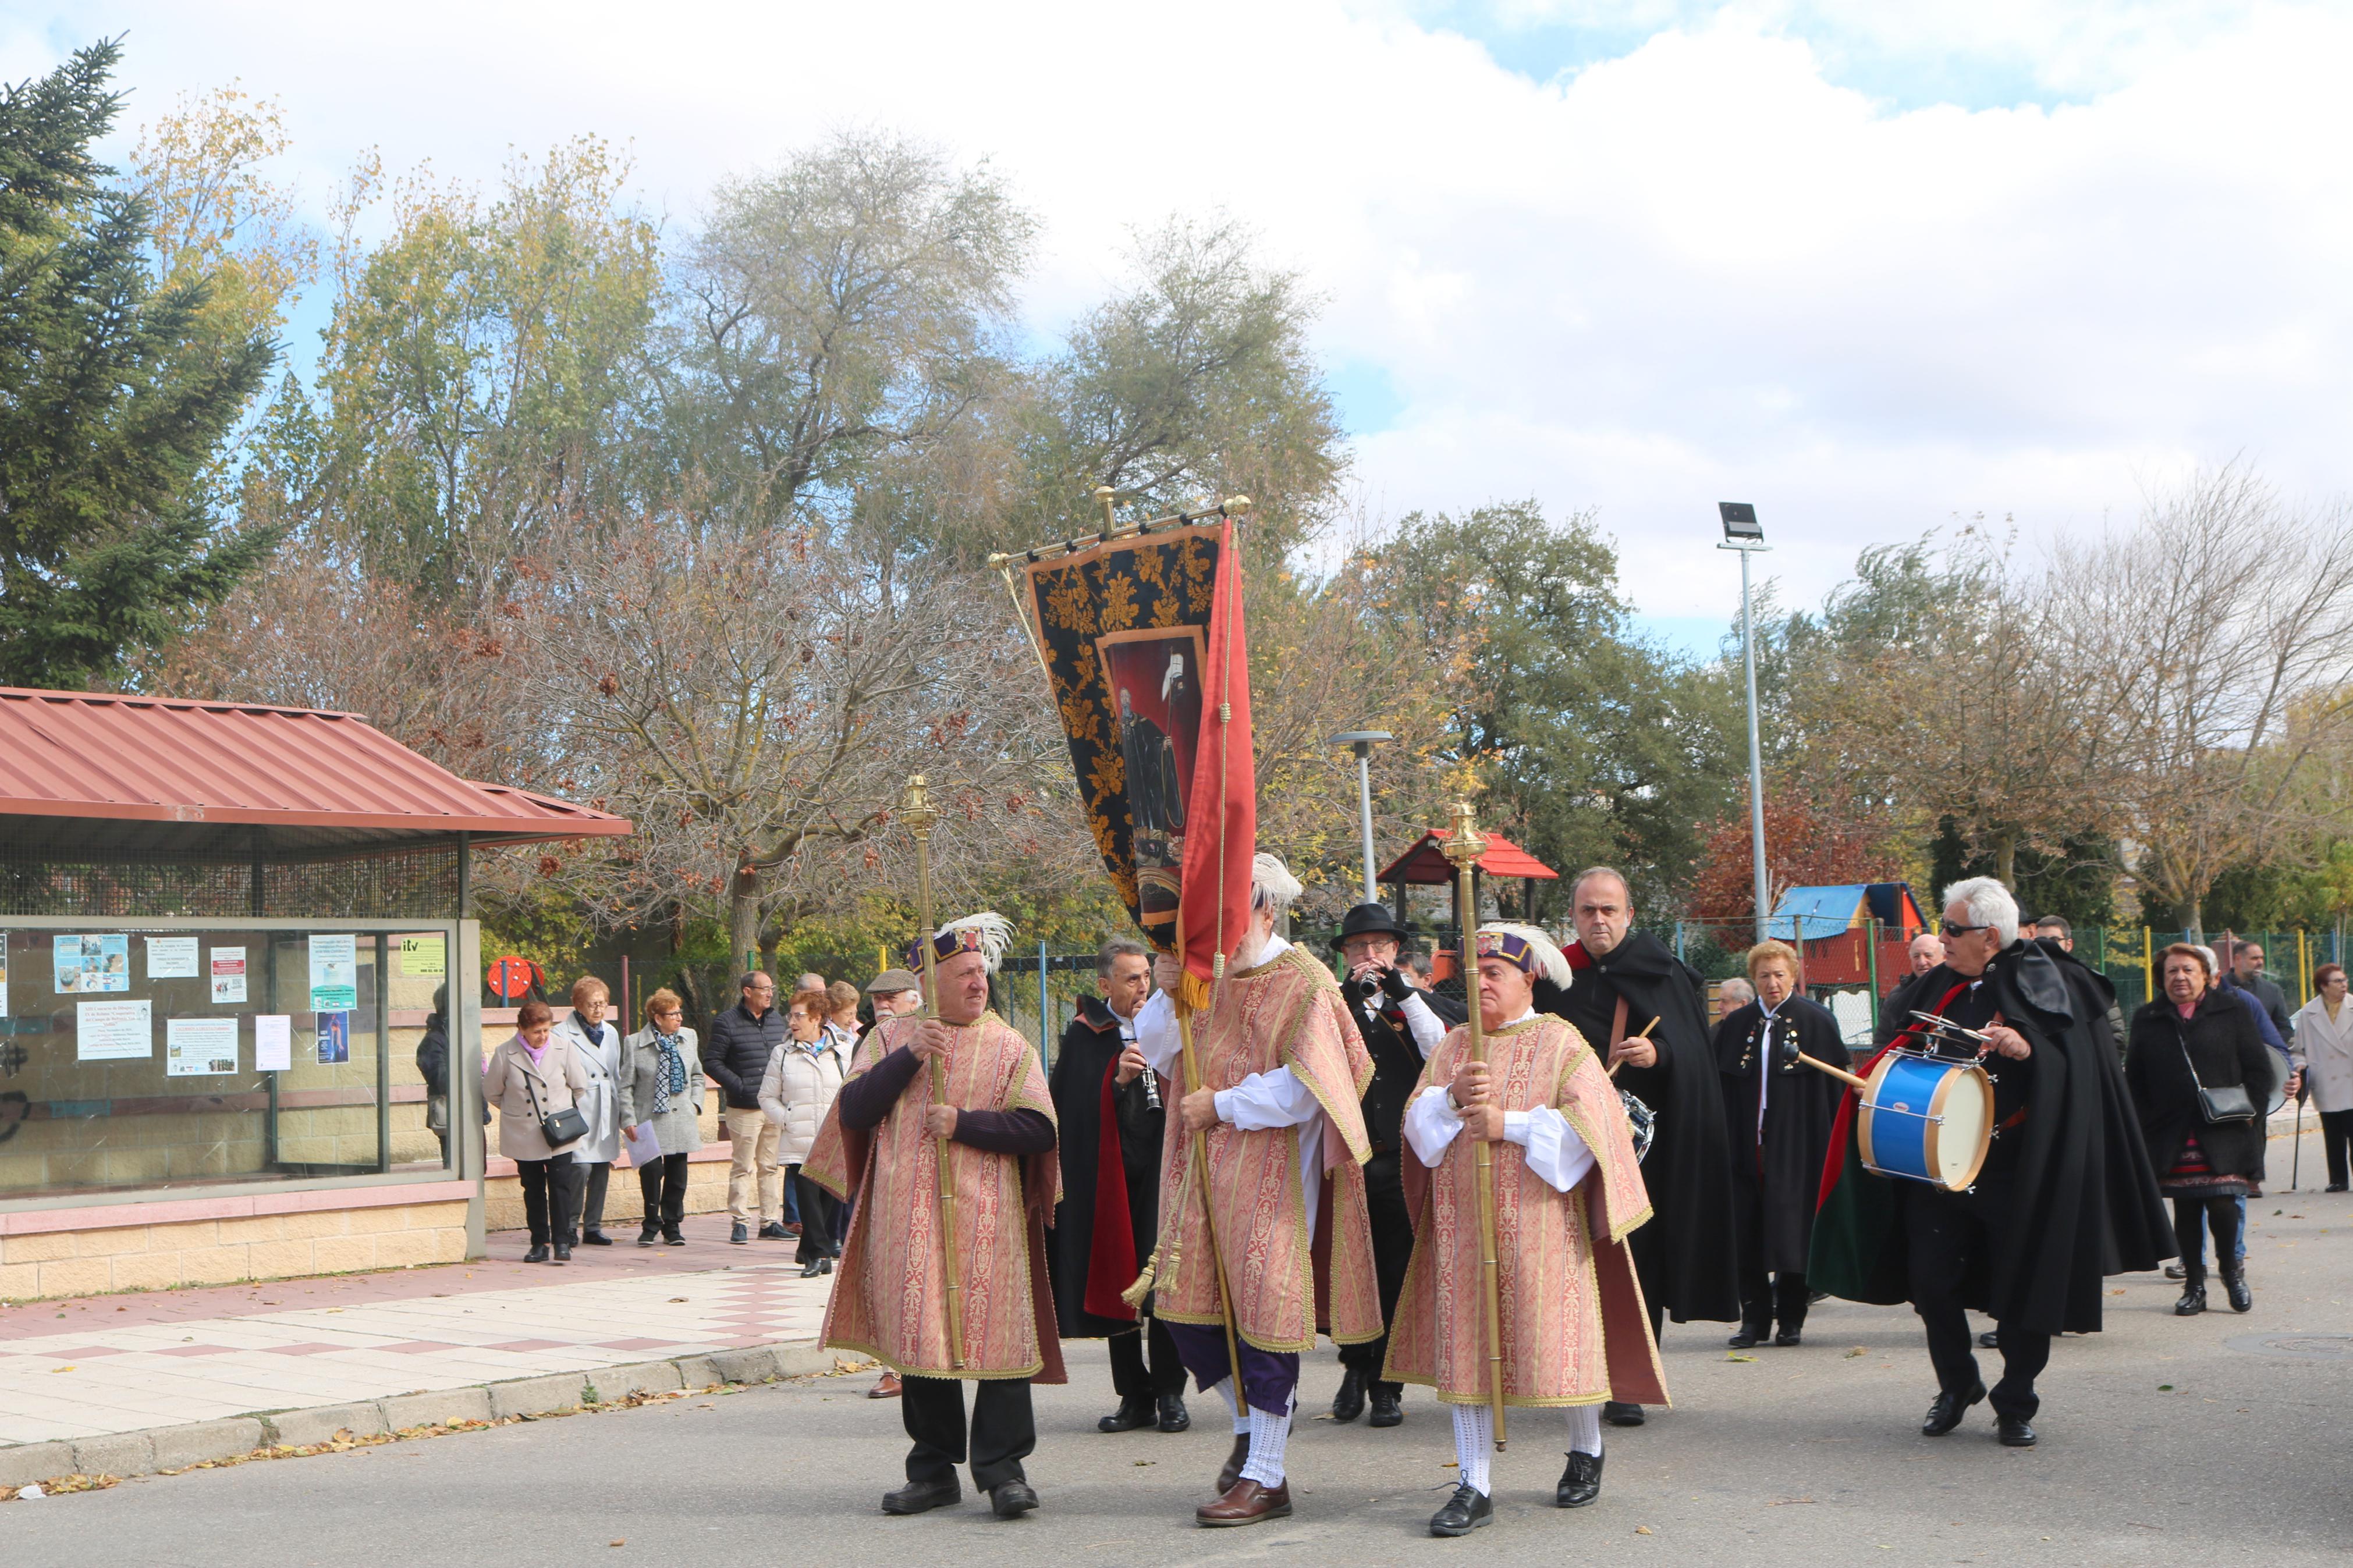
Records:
x=2324, y=1042
x=803, y=1074
x=597, y=1045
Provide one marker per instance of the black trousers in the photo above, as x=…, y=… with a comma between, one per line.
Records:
x=662, y=1185
x=1003, y=1429
x=2337, y=1138
x=1762, y=1296
x=1130, y=1380
x=1947, y=1240
x=1392, y=1226
x=817, y=1209
x=597, y=1176
x=2190, y=1217
x=550, y=1197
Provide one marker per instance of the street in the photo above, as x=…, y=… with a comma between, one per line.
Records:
x=2164, y=1440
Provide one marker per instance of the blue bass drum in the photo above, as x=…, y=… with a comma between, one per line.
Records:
x=1926, y=1119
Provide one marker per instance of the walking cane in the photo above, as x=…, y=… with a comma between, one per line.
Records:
x=2296, y=1160
x=1464, y=846
x=920, y=815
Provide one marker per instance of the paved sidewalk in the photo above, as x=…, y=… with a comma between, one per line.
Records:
x=80, y=1368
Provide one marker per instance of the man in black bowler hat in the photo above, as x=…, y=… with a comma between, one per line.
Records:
x=1401, y=1023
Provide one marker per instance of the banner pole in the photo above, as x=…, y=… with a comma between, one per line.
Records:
x=919, y=815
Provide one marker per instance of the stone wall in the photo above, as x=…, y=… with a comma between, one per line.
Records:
x=220, y=1251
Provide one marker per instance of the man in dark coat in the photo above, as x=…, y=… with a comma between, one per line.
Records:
x=1108, y=1109
x=2065, y=1196
x=1777, y=1118
x=1685, y=1257
x=1401, y=1023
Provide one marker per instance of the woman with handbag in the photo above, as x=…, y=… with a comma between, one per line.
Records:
x=661, y=1084
x=534, y=1081
x=803, y=1075
x=2200, y=1074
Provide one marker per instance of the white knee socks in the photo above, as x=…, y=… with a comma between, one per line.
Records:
x=1267, y=1434
x=1585, y=1429
x=1474, y=1444
x=1225, y=1387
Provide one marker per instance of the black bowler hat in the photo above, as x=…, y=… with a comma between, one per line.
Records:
x=1370, y=919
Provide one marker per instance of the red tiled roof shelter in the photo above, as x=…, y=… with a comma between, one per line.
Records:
x=1426, y=863
x=124, y=776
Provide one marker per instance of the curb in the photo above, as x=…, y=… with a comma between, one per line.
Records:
x=122, y=1454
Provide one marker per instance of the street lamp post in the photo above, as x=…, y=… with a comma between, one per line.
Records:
x=1743, y=533
x=1362, y=742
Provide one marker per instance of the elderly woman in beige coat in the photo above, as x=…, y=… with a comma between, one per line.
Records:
x=2324, y=1046
x=803, y=1074
x=661, y=1089
x=530, y=1077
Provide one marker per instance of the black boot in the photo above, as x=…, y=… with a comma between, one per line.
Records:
x=1386, y=1410
x=1349, y=1403
x=2193, y=1291
x=2234, y=1285
x=1749, y=1334
x=1174, y=1416
x=1133, y=1413
x=1580, y=1483
x=1465, y=1511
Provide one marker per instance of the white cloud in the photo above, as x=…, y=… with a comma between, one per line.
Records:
x=1701, y=269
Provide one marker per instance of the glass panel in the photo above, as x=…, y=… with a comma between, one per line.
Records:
x=143, y=1057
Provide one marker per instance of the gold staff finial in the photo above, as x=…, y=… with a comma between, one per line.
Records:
x=916, y=810
x=1106, y=495
x=1464, y=843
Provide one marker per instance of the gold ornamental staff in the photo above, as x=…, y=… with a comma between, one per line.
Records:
x=1464, y=846
x=920, y=815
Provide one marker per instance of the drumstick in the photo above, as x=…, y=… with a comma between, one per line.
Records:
x=1616, y=1064
x=1839, y=1073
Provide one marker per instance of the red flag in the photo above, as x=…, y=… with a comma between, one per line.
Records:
x=1221, y=835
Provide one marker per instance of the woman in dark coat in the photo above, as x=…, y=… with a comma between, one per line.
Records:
x=2198, y=1036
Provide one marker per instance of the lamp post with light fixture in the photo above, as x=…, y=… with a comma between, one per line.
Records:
x=1742, y=532
x=1362, y=742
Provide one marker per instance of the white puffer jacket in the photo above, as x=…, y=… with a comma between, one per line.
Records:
x=796, y=1091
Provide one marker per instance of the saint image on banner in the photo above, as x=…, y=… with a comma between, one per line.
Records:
x=1155, y=676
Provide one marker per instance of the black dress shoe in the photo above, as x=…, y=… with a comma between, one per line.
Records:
x=595, y=1237
x=1232, y=1473
x=1349, y=1403
x=1990, y=1339
x=2175, y=1271
x=563, y=1253
x=1131, y=1414
x=1619, y=1414
x=1174, y=1416
x=1787, y=1337
x=1387, y=1410
x=1945, y=1411
x=2234, y=1285
x=1465, y=1511
x=921, y=1497
x=1580, y=1483
x=1745, y=1337
x=771, y=1231
x=2193, y=1299
x=2334, y=1187
x=1012, y=1499
x=538, y=1254
x=2014, y=1431
x=825, y=1266
x=813, y=1267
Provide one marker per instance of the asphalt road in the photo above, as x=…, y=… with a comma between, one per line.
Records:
x=2164, y=1441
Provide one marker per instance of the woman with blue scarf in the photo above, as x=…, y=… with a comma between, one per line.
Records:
x=661, y=1084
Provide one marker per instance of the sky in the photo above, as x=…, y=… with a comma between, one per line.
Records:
x=1873, y=268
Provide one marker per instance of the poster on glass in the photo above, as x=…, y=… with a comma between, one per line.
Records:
x=87, y=965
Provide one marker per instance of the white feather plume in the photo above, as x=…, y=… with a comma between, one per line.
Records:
x=1271, y=883
x=1551, y=963
x=996, y=935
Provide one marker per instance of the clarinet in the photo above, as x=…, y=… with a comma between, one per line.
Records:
x=1151, y=1089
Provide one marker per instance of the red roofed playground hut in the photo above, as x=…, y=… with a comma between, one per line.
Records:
x=1426, y=865
x=223, y=927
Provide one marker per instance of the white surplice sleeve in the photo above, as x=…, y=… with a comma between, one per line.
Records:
x=1555, y=1153
x=1431, y=1124
x=1156, y=1035
x=1268, y=1100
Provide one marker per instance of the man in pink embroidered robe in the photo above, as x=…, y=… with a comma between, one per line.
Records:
x=1283, y=1074
x=881, y=1144
x=1567, y=1194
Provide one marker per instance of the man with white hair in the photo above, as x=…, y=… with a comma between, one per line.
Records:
x=2065, y=1194
x=1282, y=1070
x=993, y=1121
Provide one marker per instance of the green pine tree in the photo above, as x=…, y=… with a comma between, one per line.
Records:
x=114, y=397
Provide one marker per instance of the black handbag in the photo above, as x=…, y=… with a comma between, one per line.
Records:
x=560, y=1127
x=2222, y=1106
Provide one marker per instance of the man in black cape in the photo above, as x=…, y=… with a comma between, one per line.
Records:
x=1777, y=1118
x=2066, y=1195
x=1685, y=1257
x=1401, y=1025
x=1104, y=1102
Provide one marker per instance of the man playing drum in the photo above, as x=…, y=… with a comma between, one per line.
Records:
x=1567, y=1194
x=2065, y=1182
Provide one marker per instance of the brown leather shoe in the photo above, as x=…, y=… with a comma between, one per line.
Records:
x=1234, y=1463
x=886, y=1389
x=1247, y=1503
